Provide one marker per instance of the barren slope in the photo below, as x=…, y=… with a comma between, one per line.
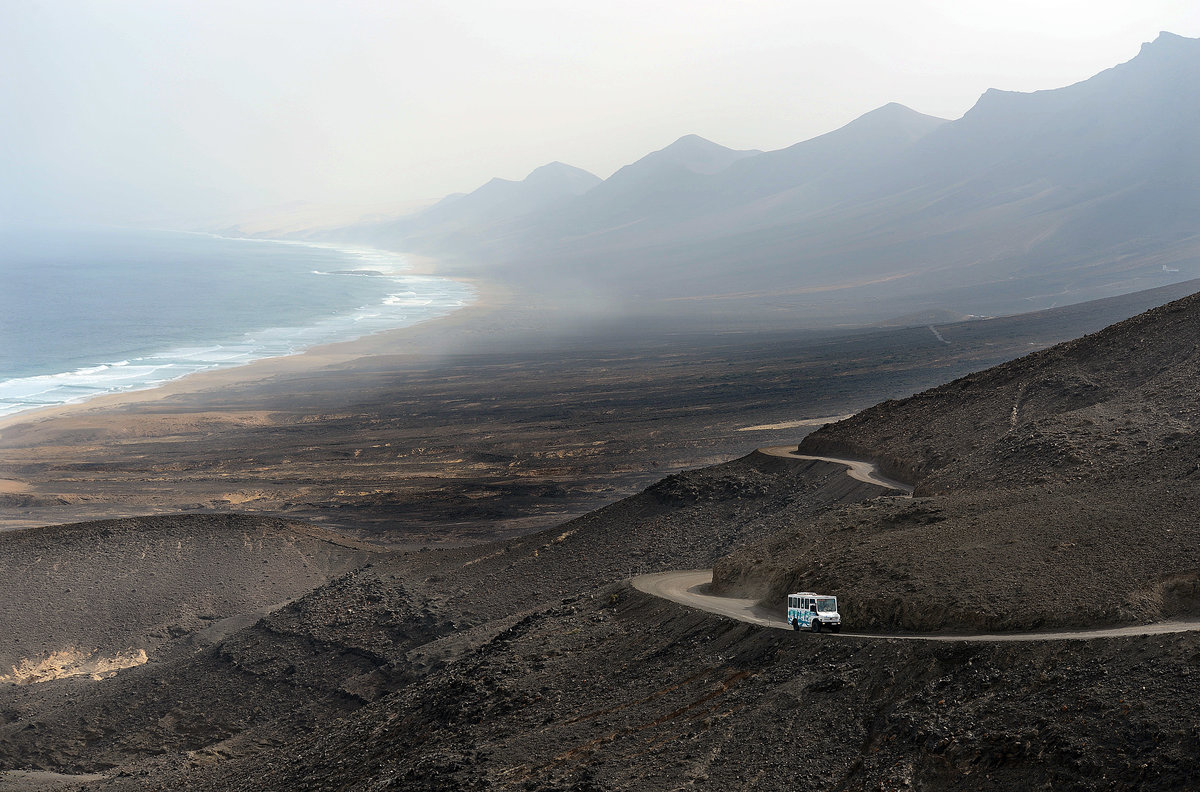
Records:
x=122, y=586
x=521, y=664
x=617, y=690
x=1118, y=401
x=1059, y=489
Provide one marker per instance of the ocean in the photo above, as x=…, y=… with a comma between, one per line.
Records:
x=86, y=312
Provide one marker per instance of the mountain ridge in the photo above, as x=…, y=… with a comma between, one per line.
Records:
x=1028, y=200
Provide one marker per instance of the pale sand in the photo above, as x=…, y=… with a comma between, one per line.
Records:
x=798, y=423
x=13, y=487
x=41, y=780
x=71, y=662
x=432, y=337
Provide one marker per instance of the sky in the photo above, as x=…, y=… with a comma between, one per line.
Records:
x=183, y=114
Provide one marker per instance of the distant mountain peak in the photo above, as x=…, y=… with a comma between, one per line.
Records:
x=695, y=143
x=891, y=108
x=1168, y=39
x=558, y=178
x=1167, y=45
x=894, y=114
x=557, y=167
x=692, y=143
x=1170, y=57
x=559, y=171
x=693, y=153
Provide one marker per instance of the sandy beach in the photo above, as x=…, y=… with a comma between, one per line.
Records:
x=435, y=335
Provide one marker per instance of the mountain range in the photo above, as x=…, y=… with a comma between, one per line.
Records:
x=1029, y=200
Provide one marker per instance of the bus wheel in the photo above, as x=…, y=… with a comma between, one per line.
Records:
x=816, y=625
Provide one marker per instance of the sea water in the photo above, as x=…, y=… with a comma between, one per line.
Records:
x=85, y=312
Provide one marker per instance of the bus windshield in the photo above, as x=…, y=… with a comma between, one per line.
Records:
x=827, y=604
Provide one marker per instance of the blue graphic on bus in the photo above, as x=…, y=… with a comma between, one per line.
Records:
x=809, y=611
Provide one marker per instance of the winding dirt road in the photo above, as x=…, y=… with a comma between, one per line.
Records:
x=856, y=469
x=687, y=588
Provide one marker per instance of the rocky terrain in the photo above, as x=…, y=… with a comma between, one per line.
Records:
x=1104, y=404
x=530, y=662
x=1069, y=475
x=616, y=690
x=375, y=630
x=130, y=586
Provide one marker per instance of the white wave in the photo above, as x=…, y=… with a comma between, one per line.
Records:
x=419, y=298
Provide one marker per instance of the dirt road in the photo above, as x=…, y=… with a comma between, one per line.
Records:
x=687, y=588
x=856, y=469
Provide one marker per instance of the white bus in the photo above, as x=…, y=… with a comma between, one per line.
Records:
x=813, y=611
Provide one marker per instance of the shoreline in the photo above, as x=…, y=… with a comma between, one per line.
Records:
x=485, y=297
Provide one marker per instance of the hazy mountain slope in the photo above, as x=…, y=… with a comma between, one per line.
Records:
x=690, y=153
x=1118, y=150
x=1028, y=201
x=669, y=182
x=1066, y=190
x=483, y=214
x=865, y=142
x=1125, y=124
x=502, y=198
x=694, y=179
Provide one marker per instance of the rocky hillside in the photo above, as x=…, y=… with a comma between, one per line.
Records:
x=615, y=690
x=122, y=586
x=530, y=664
x=1118, y=401
x=1058, y=489
x=233, y=681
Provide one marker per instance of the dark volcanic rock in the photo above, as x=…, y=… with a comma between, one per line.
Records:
x=619, y=691
x=123, y=585
x=1113, y=400
x=1058, y=489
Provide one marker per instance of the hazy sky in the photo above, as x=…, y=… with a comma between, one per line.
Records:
x=172, y=112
